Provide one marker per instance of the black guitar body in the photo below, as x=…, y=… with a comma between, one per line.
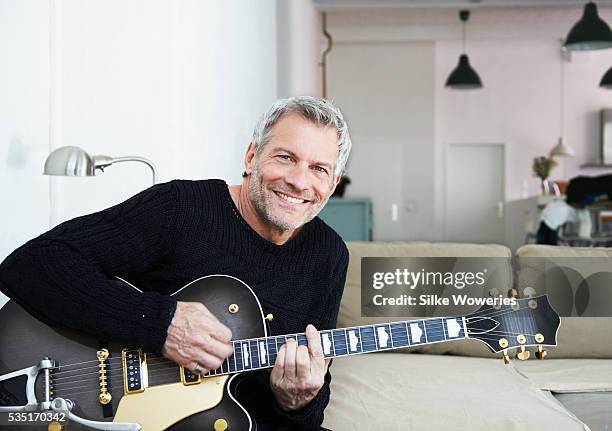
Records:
x=25, y=341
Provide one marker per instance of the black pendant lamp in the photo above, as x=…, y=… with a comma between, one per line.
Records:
x=606, y=81
x=464, y=77
x=590, y=33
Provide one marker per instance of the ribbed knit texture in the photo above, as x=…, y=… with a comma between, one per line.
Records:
x=161, y=239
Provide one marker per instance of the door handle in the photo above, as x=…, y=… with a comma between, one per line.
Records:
x=500, y=210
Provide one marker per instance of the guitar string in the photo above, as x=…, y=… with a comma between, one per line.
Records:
x=68, y=392
x=155, y=373
x=477, y=317
x=175, y=370
x=167, y=373
x=163, y=360
x=499, y=313
x=160, y=371
x=157, y=356
x=254, y=354
x=490, y=313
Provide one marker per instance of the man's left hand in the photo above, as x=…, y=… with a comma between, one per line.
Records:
x=299, y=372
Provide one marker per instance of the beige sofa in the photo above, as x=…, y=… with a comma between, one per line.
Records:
x=461, y=384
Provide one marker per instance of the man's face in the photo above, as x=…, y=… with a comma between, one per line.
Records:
x=293, y=176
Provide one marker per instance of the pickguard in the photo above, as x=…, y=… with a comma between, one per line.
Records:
x=159, y=407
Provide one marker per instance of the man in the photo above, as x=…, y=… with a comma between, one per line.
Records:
x=263, y=231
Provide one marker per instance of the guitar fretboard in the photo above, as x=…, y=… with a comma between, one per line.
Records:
x=259, y=353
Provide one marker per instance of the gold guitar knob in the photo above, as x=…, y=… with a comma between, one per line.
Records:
x=220, y=425
x=55, y=426
x=541, y=353
x=269, y=317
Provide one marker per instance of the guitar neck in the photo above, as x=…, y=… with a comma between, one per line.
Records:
x=260, y=353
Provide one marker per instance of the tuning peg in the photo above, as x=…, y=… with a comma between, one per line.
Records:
x=523, y=354
x=529, y=292
x=505, y=356
x=493, y=292
x=512, y=293
x=541, y=353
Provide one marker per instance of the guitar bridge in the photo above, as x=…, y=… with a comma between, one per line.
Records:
x=135, y=373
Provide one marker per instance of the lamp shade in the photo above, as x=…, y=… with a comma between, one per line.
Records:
x=464, y=77
x=590, y=33
x=70, y=162
x=76, y=162
x=562, y=150
x=606, y=81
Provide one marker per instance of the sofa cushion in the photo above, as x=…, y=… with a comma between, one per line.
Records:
x=393, y=391
x=568, y=375
x=350, y=306
x=578, y=337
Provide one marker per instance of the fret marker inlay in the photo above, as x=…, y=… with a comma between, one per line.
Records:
x=453, y=328
x=416, y=332
x=353, y=340
x=383, y=337
x=326, y=344
x=262, y=352
x=245, y=354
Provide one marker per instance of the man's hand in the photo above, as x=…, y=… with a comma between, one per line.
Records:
x=299, y=372
x=196, y=339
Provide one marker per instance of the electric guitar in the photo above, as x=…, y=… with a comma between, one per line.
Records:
x=120, y=387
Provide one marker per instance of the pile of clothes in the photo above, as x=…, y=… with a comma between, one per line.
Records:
x=581, y=192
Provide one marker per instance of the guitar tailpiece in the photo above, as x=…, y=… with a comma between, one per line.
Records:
x=31, y=373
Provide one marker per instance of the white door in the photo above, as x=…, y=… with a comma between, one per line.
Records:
x=474, y=195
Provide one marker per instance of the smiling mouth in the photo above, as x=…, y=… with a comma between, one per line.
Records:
x=290, y=199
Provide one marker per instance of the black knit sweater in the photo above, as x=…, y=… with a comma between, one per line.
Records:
x=160, y=240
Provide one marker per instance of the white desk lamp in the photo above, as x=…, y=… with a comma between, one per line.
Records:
x=76, y=162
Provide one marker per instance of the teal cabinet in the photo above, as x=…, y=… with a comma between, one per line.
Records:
x=351, y=218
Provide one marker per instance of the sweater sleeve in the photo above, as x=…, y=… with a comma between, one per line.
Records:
x=311, y=416
x=62, y=277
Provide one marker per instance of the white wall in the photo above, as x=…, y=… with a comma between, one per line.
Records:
x=388, y=101
x=24, y=120
x=515, y=51
x=227, y=77
x=181, y=83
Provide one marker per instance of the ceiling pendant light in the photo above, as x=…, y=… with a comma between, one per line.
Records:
x=606, y=81
x=561, y=149
x=590, y=33
x=464, y=77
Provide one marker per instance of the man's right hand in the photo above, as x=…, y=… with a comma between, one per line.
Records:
x=196, y=337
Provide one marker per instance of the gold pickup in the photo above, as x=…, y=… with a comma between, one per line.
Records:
x=135, y=373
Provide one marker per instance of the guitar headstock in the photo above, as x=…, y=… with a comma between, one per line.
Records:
x=529, y=322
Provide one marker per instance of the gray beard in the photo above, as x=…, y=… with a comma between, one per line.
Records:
x=261, y=204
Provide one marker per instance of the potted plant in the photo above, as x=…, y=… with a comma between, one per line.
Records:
x=541, y=168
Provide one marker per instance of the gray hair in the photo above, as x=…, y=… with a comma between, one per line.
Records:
x=317, y=110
